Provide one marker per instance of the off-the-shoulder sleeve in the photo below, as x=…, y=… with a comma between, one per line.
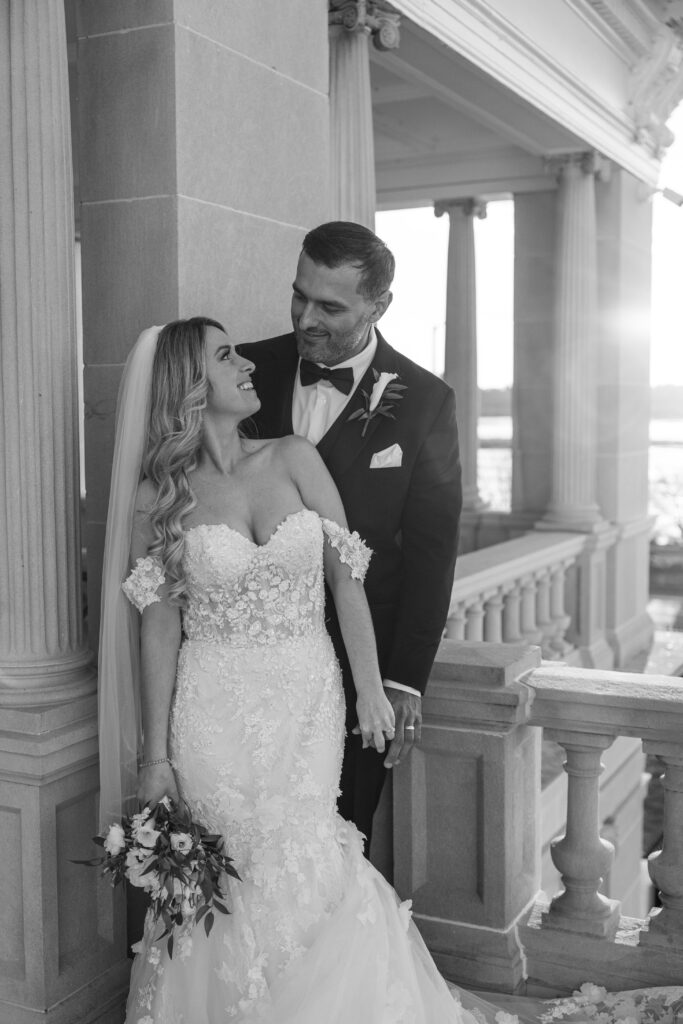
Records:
x=143, y=582
x=352, y=549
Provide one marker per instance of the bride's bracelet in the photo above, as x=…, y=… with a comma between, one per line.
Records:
x=158, y=760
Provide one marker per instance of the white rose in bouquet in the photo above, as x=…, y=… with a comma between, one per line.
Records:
x=147, y=835
x=181, y=842
x=115, y=840
x=135, y=868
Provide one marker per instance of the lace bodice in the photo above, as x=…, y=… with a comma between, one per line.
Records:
x=246, y=593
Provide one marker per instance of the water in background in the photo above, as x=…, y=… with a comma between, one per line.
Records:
x=665, y=471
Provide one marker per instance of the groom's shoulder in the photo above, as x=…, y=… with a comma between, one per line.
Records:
x=281, y=347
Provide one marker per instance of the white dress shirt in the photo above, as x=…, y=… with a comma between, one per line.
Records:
x=316, y=407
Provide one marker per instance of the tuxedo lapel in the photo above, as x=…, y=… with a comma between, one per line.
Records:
x=344, y=441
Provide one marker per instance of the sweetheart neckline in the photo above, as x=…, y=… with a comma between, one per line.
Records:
x=238, y=533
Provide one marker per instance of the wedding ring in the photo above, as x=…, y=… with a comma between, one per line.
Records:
x=409, y=728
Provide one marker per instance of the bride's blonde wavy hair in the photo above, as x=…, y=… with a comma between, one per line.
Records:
x=178, y=400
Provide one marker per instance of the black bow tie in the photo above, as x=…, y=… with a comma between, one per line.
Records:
x=311, y=373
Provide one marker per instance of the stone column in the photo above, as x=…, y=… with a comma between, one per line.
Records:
x=624, y=221
x=42, y=653
x=532, y=397
x=59, y=958
x=461, y=335
x=352, y=151
x=573, y=504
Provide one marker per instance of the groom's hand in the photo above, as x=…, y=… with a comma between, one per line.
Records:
x=408, y=724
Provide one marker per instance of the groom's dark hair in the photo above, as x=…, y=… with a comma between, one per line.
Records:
x=342, y=241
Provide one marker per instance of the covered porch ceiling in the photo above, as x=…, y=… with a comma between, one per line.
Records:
x=445, y=129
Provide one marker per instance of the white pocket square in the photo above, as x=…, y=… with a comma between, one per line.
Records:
x=388, y=458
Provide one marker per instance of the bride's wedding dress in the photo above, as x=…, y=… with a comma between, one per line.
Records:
x=315, y=934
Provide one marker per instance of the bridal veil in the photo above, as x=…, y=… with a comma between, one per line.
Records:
x=119, y=659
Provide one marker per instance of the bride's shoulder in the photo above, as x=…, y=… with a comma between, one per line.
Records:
x=290, y=447
x=298, y=454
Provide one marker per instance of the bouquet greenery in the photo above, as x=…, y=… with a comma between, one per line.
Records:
x=173, y=858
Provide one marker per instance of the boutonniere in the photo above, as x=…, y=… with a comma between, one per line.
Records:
x=386, y=391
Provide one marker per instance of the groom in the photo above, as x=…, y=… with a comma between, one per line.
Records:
x=387, y=433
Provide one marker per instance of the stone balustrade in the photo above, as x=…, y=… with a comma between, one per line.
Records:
x=467, y=823
x=514, y=593
x=585, y=711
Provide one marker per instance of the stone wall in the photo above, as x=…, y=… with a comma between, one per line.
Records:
x=203, y=161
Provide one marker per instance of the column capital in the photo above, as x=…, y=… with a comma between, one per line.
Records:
x=375, y=18
x=588, y=162
x=471, y=207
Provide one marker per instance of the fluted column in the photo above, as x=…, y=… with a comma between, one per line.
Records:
x=63, y=938
x=352, y=151
x=573, y=503
x=42, y=655
x=461, y=335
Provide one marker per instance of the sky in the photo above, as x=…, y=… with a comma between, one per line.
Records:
x=414, y=322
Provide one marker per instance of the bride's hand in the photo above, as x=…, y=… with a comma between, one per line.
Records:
x=375, y=718
x=156, y=781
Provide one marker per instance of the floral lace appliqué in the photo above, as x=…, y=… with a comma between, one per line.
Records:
x=143, y=582
x=352, y=549
x=638, y=1006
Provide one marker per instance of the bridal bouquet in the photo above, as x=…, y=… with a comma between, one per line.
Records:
x=176, y=860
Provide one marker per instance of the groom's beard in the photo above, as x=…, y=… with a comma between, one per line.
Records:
x=332, y=347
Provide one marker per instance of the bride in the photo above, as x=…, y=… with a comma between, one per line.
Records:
x=219, y=684
x=242, y=709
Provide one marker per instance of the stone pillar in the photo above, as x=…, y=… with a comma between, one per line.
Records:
x=461, y=340
x=624, y=220
x=466, y=814
x=352, y=151
x=532, y=389
x=573, y=504
x=42, y=653
x=59, y=949
x=195, y=191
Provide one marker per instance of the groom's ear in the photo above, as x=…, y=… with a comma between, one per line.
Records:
x=381, y=305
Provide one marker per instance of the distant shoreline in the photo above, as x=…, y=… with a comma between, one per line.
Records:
x=666, y=403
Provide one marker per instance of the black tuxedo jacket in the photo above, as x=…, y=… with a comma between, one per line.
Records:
x=408, y=515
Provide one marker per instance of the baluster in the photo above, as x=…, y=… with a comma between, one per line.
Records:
x=455, y=624
x=493, y=619
x=475, y=621
x=511, y=615
x=543, y=620
x=559, y=617
x=581, y=856
x=530, y=633
x=665, y=923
